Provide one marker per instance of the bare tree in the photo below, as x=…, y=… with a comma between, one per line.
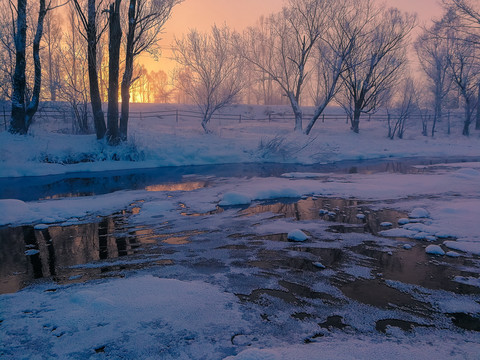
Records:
x=22, y=113
x=215, y=68
x=466, y=25
x=374, y=64
x=115, y=38
x=332, y=52
x=464, y=68
x=289, y=41
x=74, y=87
x=146, y=19
x=403, y=104
x=432, y=51
x=89, y=24
x=53, y=37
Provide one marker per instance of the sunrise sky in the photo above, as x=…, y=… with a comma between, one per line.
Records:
x=202, y=14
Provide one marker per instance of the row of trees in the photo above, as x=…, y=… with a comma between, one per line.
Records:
x=353, y=53
x=350, y=52
x=92, y=20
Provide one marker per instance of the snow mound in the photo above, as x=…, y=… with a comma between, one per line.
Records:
x=297, y=235
x=434, y=250
x=419, y=213
x=11, y=210
x=465, y=246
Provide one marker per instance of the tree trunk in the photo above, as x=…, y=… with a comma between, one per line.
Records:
x=356, y=120
x=113, y=71
x=96, y=101
x=468, y=120
x=318, y=111
x=477, y=121
x=33, y=106
x=17, y=122
x=297, y=111
x=127, y=76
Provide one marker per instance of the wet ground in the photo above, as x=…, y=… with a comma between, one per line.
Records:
x=342, y=277
x=309, y=281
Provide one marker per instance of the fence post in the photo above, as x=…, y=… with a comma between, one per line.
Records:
x=448, y=123
x=269, y=117
x=240, y=118
x=5, y=117
x=323, y=118
x=176, y=116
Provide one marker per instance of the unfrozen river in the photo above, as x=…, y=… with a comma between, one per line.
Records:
x=364, y=269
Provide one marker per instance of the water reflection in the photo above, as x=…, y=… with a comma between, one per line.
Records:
x=186, y=186
x=88, y=184
x=27, y=253
x=348, y=211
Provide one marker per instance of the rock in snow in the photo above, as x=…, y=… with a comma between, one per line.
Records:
x=434, y=250
x=297, y=235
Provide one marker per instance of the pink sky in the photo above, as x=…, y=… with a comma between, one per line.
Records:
x=202, y=14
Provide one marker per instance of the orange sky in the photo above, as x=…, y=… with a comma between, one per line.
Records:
x=202, y=14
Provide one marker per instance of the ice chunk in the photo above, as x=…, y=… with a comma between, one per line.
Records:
x=386, y=224
x=297, y=235
x=465, y=246
x=434, y=250
x=361, y=216
x=407, y=246
x=403, y=221
x=319, y=265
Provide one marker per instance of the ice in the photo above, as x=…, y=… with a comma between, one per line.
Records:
x=361, y=216
x=232, y=199
x=434, y=250
x=386, y=224
x=297, y=235
x=398, y=232
x=407, y=246
x=403, y=221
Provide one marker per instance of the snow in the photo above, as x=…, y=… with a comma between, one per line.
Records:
x=297, y=235
x=434, y=250
x=188, y=309
x=126, y=316
x=419, y=213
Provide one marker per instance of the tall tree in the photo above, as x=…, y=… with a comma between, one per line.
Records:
x=22, y=114
x=377, y=59
x=146, y=19
x=113, y=71
x=89, y=23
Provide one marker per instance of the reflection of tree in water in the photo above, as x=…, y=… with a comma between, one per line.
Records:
x=331, y=209
x=27, y=253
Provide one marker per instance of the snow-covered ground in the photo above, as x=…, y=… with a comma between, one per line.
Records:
x=297, y=266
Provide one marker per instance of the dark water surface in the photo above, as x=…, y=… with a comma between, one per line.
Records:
x=88, y=183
